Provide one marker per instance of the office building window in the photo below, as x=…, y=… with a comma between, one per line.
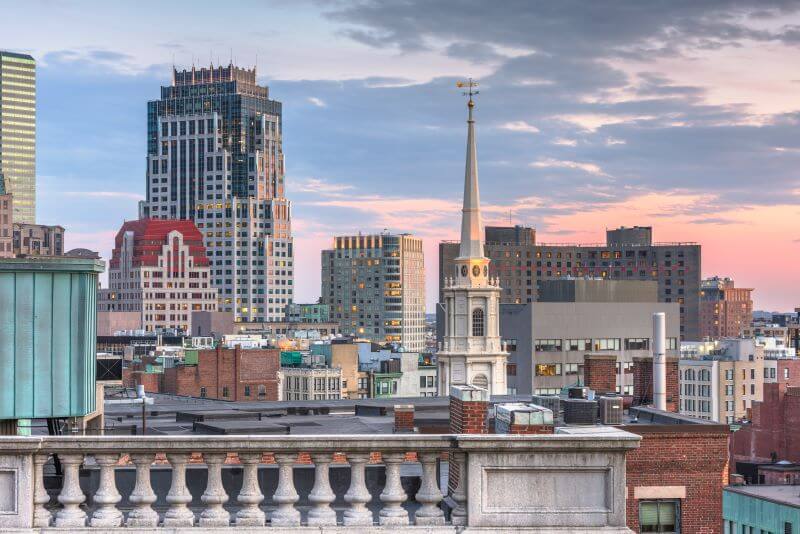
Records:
x=548, y=345
x=641, y=343
x=579, y=344
x=548, y=369
x=659, y=516
x=607, y=344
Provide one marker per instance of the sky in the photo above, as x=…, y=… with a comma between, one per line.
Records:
x=682, y=115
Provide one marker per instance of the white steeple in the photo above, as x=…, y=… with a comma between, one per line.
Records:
x=471, y=232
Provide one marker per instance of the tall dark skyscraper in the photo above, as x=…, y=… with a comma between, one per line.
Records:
x=215, y=156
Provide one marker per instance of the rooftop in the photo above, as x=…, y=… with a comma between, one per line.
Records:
x=782, y=494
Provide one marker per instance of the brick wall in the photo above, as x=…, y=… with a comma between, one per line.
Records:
x=674, y=458
x=600, y=372
x=643, y=383
x=231, y=371
x=774, y=430
x=468, y=410
x=531, y=429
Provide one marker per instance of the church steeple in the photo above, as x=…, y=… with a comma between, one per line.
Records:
x=471, y=234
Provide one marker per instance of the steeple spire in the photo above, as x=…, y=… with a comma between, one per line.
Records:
x=471, y=236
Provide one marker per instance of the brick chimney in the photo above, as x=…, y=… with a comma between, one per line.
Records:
x=469, y=407
x=600, y=373
x=403, y=418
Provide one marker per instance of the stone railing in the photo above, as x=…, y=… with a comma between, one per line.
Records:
x=534, y=483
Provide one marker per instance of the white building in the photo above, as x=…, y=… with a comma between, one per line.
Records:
x=159, y=269
x=309, y=383
x=471, y=351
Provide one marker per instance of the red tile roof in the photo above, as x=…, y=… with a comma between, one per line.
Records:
x=149, y=235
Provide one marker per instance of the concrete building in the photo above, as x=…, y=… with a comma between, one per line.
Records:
x=343, y=355
x=725, y=310
x=220, y=323
x=471, y=351
x=374, y=286
x=231, y=374
x=310, y=383
x=18, y=132
x=548, y=342
x=38, y=239
x=521, y=265
x=308, y=313
x=6, y=221
x=159, y=269
x=215, y=156
x=723, y=385
x=761, y=509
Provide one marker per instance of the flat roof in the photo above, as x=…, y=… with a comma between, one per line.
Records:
x=52, y=263
x=781, y=494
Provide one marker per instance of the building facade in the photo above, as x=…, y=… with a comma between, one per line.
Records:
x=310, y=383
x=374, y=286
x=725, y=310
x=548, y=342
x=471, y=351
x=723, y=386
x=6, y=221
x=18, y=132
x=760, y=509
x=38, y=239
x=159, y=269
x=521, y=265
x=215, y=156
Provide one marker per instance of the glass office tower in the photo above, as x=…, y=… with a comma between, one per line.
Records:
x=215, y=156
x=18, y=132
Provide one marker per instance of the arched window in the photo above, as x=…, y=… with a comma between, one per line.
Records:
x=480, y=381
x=477, y=322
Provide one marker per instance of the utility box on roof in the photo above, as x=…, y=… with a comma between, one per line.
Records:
x=48, y=325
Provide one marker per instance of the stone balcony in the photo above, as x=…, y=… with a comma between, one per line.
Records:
x=430, y=483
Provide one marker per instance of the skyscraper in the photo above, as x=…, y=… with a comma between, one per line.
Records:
x=471, y=351
x=215, y=156
x=18, y=132
x=375, y=288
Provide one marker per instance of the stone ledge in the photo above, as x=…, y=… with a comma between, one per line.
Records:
x=326, y=530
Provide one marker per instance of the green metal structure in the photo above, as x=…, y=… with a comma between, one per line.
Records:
x=48, y=333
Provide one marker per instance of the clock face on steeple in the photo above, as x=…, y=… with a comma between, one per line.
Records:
x=476, y=270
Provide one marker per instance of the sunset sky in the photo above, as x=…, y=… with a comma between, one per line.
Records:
x=682, y=115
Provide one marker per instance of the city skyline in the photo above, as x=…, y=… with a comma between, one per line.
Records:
x=678, y=123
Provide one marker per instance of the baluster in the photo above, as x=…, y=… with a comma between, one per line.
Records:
x=250, y=496
x=71, y=495
x=285, y=495
x=321, y=495
x=357, y=495
x=429, y=494
x=142, y=496
x=214, y=497
x=178, y=514
x=107, y=495
x=393, y=494
x=458, y=517
x=41, y=515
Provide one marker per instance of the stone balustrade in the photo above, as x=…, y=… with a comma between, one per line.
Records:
x=529, y=483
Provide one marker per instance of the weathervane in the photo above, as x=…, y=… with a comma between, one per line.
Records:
x=470, y=84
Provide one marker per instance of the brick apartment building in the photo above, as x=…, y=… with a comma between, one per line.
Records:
x=628, y=254
x=227, y=374
x=725, y=310
x=773, y=432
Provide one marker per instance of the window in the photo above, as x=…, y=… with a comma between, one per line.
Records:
x=637, y=343
x=548, y=345
x=672, y=343
x=225, y=391
x=579, y=344
x=511, y=369
x=202, y=393
x=247, y=391
x=607, y=344
x=548, y=369
x=787, y=527
x=510, y=345
x=659, y=516
x=728, y=374
x=571, y=368
x=477, y=322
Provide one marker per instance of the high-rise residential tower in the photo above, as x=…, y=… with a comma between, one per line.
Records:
x=18, y=132
x=215, y=156
x=725, y=310
x=471, y=351
x=374, y=286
